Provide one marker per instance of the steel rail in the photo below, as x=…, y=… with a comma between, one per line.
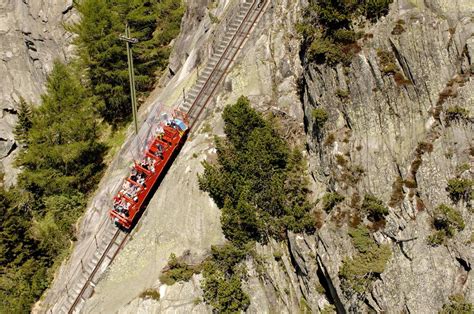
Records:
x=230, y=61
x=221, y=59
x=97, y=266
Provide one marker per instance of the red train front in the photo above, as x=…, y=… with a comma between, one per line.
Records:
x=168, y=137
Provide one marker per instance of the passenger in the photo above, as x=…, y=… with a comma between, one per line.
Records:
x=151, y=164
x=133, y=175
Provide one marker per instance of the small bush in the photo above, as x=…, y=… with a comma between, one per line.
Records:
x=361, y=239
x=222, y=275
x=345, y=36
x=330, y=139
x=387, y=62
x=457, y=305
x=323, y=50
x=177, y=270
x=459, y=189
x=448, y=219
x=397, y=192
x=320, y=116
x=374, y=9
x=358, y=273
x=330, y=200
x=150, y=294
x=304, y=306
x=277, y=255
x=374, y=208
x=437, y=238
x=400, y=79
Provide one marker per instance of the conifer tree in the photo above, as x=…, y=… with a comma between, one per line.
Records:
x=23, y=124
x=64, y=152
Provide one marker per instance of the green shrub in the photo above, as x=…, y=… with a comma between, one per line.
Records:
x=457, y=305
x=320, y=116
x=374, y=9
x=222, y=275
x=277, y=255
x=330, y=200
x=447, y=221
x=258, y=182
x=361, y=239
x=304, y=306
x=323, y=50
x=387, y=62
x=345, y=36
x=459, y=189
x=437, y=238
x=150, y=294
x=374, y=208
x=327, y=30
x=358, y=273
x=177, y=270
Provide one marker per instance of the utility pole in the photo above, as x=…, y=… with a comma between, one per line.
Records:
x=128, y=41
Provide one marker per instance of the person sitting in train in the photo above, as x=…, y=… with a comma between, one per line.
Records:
x=134, y=175
x=144, y=164
x=151, y=164
x=158, y=132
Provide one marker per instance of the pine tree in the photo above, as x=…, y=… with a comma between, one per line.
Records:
x=23, y=124
x=64, y=152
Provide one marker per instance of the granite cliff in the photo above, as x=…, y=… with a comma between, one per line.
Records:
x=32, y=37
x=389, y=132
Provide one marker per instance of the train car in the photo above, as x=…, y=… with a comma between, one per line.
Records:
x=129, y=201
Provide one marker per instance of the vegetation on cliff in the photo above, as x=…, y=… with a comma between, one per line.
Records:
x=328, y=31
x=357, y=273
x=259, y=183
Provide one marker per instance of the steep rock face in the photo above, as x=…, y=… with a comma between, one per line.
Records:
x=31, y=38
x=390, y=137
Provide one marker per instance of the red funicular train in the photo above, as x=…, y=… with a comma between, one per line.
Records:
x=168, y=137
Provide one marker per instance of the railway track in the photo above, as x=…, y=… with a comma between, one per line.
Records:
x=199, y=97
x=219, y=63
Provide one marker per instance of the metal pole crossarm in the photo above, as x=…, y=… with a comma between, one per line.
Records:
x=129, y=40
